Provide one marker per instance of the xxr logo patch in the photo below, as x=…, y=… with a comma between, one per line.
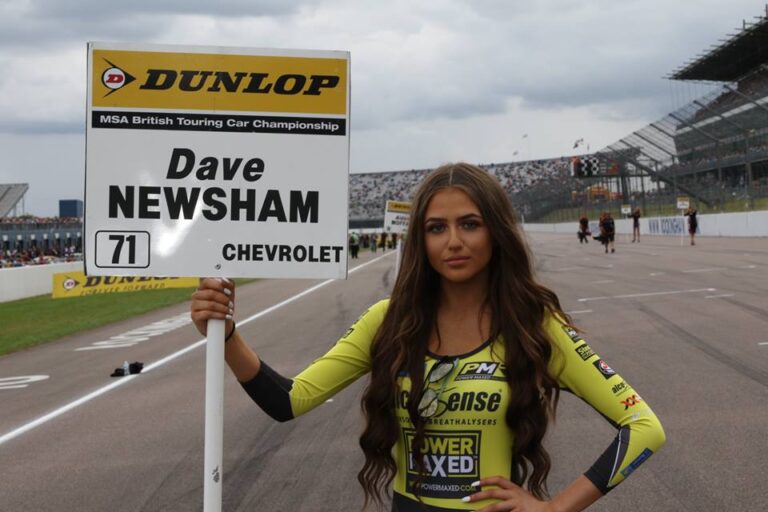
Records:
x=629, y=402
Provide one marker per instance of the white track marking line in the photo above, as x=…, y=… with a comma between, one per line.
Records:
x=748, y=266
x=578, y=312
x=651, y=294
x=763, y=343
x=657, y=273
x=564, y=269
x=603, y=281
x=702, y=270
x=124, y=380
x=718, y=296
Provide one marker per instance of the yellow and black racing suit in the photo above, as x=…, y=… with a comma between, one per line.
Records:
x=467, y=437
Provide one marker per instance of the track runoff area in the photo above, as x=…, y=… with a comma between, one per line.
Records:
x=686, y=326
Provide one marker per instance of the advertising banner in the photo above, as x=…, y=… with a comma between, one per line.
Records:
x=207, y=161
x=396, y=217
x=77, y=284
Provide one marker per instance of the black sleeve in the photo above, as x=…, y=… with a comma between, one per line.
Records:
x=604, y=469
x=271, y=391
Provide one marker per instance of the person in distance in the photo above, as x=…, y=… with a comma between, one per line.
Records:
x=693, y=223
x=635, y=215
x=583, y=231
x=467, y=360
x=607, y=231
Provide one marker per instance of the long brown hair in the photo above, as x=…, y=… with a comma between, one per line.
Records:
x=518, y=304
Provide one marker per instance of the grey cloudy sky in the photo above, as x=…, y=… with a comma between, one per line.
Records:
x=432, y=81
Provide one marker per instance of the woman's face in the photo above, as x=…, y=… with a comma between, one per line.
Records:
x=457, y=240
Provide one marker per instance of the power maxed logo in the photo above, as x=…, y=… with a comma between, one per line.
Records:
x=482, y=370
x=451, y=462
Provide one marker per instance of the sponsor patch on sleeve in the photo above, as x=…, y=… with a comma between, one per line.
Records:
x=585, y=351
x=604, y=369
x=571, y=332
x=636, y=463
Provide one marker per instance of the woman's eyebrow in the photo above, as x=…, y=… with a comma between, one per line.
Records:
x=463, y=217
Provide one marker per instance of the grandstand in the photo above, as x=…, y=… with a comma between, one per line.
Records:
x=715, y=148
x=11, y=196
x=26, y=239
x=370, y=192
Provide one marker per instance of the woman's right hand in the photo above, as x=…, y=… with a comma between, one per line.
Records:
x=213, y=299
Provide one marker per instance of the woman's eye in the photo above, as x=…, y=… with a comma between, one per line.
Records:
x=436, y=228
x=469, y=225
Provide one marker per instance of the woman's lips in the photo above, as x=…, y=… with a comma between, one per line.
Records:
x=456, y=262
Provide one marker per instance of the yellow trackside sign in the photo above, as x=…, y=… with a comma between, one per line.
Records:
x=218, y=82
x=396, y=216
x=398, y=207
x=77, y=284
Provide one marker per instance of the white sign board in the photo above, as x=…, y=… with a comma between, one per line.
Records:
x=206, y=161
x=396, y=217
x=683, y=203
x=626, y=209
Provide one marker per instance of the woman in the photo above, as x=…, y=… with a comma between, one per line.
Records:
x=693, y=223
x=636, y=225
x=467, y=359
x=607, y=231
x=583, y=231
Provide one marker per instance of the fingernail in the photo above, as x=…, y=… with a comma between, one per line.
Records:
x=231, y=311
x=227, y=291
x=228, y=317
x=225, y=280
x=466, y=499
x=476, y=483
x=231, y=304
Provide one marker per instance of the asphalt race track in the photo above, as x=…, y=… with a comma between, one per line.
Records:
x=686, y=326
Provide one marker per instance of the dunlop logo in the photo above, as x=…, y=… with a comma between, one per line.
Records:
x=144, y=79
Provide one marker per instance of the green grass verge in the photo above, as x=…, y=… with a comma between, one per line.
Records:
x=29, y=322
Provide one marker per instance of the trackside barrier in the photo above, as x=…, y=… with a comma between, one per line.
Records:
x=751, y=224
x=23, y=282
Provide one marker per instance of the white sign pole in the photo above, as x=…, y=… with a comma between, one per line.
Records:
x=214, y=416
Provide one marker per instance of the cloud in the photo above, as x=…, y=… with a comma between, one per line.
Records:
x=431, y=80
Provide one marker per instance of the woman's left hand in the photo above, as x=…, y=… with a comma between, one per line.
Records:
x=511, y=497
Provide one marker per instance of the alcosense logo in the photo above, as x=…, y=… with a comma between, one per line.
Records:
x=115, y=78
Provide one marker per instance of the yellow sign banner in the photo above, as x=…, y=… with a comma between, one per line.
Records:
x=218, y=82
x=398, y=207
x=77, y=284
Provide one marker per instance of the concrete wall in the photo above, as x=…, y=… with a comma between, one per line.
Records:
x=754, y=224
x=22, y=282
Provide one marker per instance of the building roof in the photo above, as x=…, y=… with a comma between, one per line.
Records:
x=735, y=57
